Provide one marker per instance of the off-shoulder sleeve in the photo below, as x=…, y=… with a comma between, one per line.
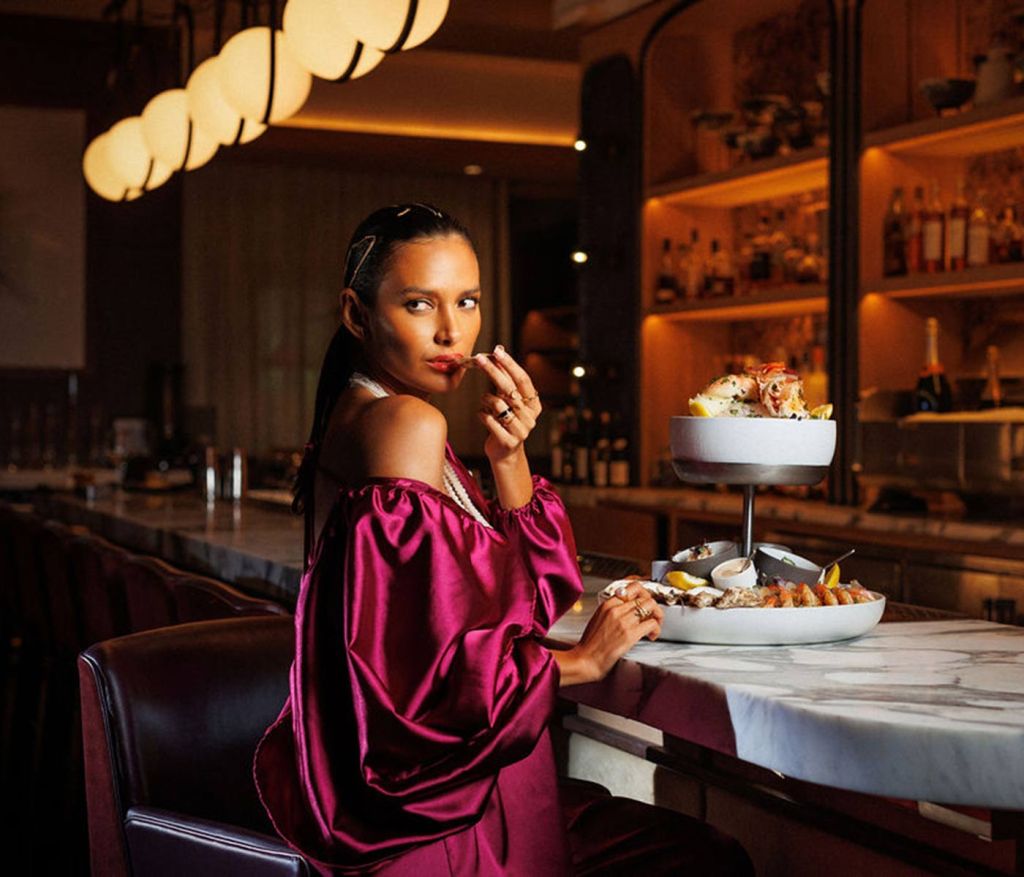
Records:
x=417, y=676
x=542, y=536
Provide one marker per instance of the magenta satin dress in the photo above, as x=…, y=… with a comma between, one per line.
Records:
x=414, y=738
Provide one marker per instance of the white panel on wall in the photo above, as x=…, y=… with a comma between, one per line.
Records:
x=42, y=238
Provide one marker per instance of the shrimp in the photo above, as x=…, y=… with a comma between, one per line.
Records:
x=826, y=596
x=844, y=597
x=781, y=391
x=737, y=388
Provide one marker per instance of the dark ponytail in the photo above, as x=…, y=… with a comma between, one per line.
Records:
x=366, y=262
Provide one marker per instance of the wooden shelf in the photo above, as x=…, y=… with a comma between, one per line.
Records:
x=986, y=129
x=758, y=181
x=784, y=301
x=989, y=280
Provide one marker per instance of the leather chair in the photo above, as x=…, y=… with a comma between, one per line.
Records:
x=96, y=565
x=54, y=547
x=203, y=599
x=170, y=722
x=148, y=593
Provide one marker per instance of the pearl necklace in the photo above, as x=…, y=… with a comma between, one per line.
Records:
x=452, y=484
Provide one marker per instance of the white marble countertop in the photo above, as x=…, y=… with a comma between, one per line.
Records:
x=929, y=711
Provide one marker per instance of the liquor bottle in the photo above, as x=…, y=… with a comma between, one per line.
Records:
x=761, y=264
x=992, y=395
x=894, y=236
x=816, y=380
x=666, y=290
x=602, y=451
x=932, y=393
x=720, y=278
x=692, y=280
x=570, y=438
x=555, y=437
x=933, y=233
x=618, y=469
x=959, y=217
x=780, y=242
x=584, y=447
x=979, y=235
x=1007, y=237
x=915, y=232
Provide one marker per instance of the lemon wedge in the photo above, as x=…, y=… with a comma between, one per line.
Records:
x=832, y=579
x=820, y=412
x=699, y=409
x=683, y=580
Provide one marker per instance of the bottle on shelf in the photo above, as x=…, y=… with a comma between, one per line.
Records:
x=556, y=438
x=618, y=467
x=959, y=217
x=720, y=276
x=584, y=447
x=992, y=394
x=691, y=281
x=601, y=463
x=816, y=380
x=915, y=232
x=780, y=242
x=894, y=236
x=979, y=235
x=1007, y=237
x=933, y=392
x=666, y=289
x=570, y=439
x=761, y=261
x=933, y=233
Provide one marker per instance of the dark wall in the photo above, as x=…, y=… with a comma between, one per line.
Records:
x=133, y=251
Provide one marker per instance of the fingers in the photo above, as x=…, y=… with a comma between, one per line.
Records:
x=510, y=379
x=520, y=415
x=520, y=377
x=500, y=432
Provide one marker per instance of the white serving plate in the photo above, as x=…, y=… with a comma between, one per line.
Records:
x=764, y=441
x=770, y=627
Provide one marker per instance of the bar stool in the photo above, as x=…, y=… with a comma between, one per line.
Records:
x=203, y=599
x=168, y=761
x=148, y=592
x=96, y=566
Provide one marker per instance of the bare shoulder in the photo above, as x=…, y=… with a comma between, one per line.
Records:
x=403, y=437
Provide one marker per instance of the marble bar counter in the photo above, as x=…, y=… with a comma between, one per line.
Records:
x=926, y=711
x=255, y=547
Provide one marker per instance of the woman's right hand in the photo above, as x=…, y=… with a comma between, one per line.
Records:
x=613, y=629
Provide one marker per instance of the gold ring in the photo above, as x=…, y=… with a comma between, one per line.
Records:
x=530, y=398
x=506, y=414
x=514, y=396
x=641, y=613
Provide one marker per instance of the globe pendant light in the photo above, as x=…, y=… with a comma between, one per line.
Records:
x=317, y=37
x=211, y=113
x=260, y=77
x=132, y=161
x=170, y=135
x=393, y=25
x=98, y=171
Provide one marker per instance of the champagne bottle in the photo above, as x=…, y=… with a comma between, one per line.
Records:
x=933, y=392
x=992, y=395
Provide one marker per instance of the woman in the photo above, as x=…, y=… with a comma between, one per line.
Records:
x=414, y=739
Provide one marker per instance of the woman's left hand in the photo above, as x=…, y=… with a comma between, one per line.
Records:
x=514, y=393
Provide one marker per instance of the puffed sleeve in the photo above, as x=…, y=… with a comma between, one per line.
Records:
x=418, y=674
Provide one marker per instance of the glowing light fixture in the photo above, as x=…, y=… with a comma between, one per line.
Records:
x=579, y=371
x=211, y=113
x=131, y=160
x=99, y=172
x=579, y=257
x=472, y=170
x=393, y=25
x=318, y=39
x=260, y=77
x=580, y=144
x=170, y=134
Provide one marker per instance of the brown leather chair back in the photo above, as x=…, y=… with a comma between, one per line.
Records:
x=170, y=722
x=148, y=593
x=202, y=599
x=54, y=545
x=97, y=565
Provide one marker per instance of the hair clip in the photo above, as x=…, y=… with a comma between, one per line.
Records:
x=372, y=240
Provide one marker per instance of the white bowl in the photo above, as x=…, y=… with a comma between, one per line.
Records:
x=751, y=450
x=728, y=574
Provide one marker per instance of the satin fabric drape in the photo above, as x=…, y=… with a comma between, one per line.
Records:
x=414, y=738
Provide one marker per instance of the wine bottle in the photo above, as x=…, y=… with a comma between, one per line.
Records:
x=933, y=233
x=618, y=470
x=602, y=451
x=584, y=447
x=959, y=216
x=666, y=290
x=894, y=236
x=933, y=392
x=992, y=395
x=915, y=232
x=979, y=235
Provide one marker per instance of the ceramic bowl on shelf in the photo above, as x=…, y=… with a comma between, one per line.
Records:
x=947, y=94
x=751, y=450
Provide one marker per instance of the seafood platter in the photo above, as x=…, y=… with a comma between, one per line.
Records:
x=754, y=429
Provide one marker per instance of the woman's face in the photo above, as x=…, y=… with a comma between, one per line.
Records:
x=427, y=315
